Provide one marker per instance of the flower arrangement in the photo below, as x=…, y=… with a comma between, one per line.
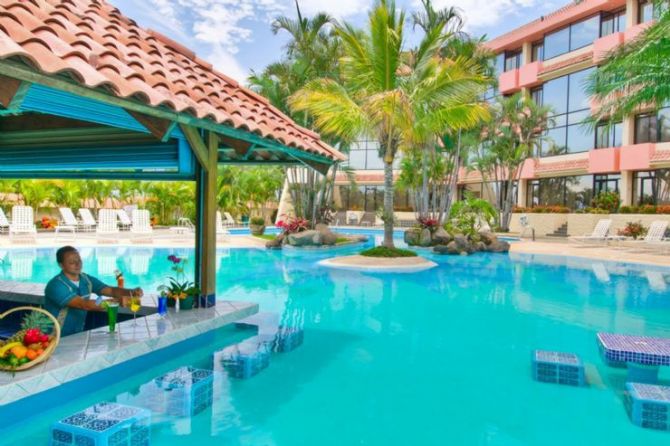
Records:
x=633, y=229
x=48, y=223
x=291, y=225
x=178, y=287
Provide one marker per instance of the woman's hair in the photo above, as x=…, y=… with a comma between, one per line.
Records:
x=60, y=254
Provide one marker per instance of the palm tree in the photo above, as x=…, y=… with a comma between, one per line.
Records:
x=513, y=135
x=637, y=73
x=309, y=37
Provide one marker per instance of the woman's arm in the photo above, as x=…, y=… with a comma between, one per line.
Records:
x=84, y=304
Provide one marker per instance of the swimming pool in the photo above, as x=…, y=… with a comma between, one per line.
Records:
x=435, y=358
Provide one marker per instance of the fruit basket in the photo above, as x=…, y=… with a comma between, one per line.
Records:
x=33, y=344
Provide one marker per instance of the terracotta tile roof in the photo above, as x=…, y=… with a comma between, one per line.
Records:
x=567, y=62
x=97, y=46
x=562, y=166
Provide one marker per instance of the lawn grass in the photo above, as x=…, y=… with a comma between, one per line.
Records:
x=383, y=251
x=267, y=236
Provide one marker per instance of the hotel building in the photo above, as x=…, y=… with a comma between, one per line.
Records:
x=549, y=60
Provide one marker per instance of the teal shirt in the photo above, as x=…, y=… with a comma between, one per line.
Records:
x=60, y=291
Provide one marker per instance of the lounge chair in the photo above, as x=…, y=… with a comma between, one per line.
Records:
x=228, y=219
x=4, y=223
x=107, y=223
x=184, y=226
x=68, y=222
x=22, y=221
x=525, y=226
x=354, y=217
x=221, y=232
x=141, y=222
x=655, y=237
x=87, y=221
x=599, y=233
x=124, y=221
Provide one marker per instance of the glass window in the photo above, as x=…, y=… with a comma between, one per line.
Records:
x=557, y=43
x=537, y=52
x=579, y=191
x=555, y=142
x=584, y=33
x=606, y=183
x=500, y=63
x=645, y=128
x=609, y=135
x=536, y=95
x=580, y=138
x=645, y=11
x=663, y=123
x=574, y=192
x=554, y=95
x=613, y=22
x=512, y=60
x=577, y=97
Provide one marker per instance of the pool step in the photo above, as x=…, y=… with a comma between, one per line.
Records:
x=104, y=424
x=246, y=359
x=648, y=405
x=558, y=368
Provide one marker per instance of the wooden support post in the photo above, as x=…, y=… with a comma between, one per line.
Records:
x=206, y=220
x=160, y=128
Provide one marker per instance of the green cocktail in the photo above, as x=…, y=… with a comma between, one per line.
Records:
x=112, y=312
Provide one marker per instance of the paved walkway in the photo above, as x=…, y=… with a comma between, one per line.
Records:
x=611, y=252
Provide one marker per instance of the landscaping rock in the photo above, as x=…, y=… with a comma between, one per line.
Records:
x=441, y=237
x=488, y=237
x=462, y=242
x=426, y=238
x=305, y=238
x=440, y=249
x=276, y=243
x=412, y=236
x=498, y=246
x=328, y=238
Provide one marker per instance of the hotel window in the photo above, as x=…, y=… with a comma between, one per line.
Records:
x=569, y=108
x=537, y=52
x=500, y=63
x=573, y=37
x=651, y=127
x=609, y=135
x=652, y=187
x=512, y=60
x=645, y=11
x=575, y=192
x=606, y=183
x=536, y=95
x=613, y=22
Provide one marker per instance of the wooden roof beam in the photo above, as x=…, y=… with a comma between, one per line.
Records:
x=160, y=128
x=197, y=144
x=12, y=92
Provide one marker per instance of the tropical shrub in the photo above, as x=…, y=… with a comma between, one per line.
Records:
x=664, y=209
x=467, y=216
x=428, y=223
x=633, y=229
x=596, y=210
x=291, y=225
x=647, y=209
x=383, y=251
x=606, y=200
x=627, y=209
x=257, y=221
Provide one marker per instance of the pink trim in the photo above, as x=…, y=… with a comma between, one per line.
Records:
x=553, y=21
x=509, y=81
x=606, y=44
x=634, y=31
x=637, y=157
x=528, y=169
x=528, y=74
x=604, y=160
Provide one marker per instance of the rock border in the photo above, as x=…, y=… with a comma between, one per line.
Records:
x=379, y=264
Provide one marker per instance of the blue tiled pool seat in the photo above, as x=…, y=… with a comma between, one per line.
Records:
x=246, y=359
x=288, y=339
x=104, y=424
x=648, y=405
x=642, y=355
x=183, y=392
x=558, y=368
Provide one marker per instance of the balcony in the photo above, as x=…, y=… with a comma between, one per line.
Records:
x=637, y=156
x=529, y=74
x=606, y=44
x=508, y=82
x=528, y=169
x=634, y=31
x=604, y=160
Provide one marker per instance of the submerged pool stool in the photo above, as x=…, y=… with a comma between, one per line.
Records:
x=181, y=392
x=245, y=359
x=104, y=424
x=558, y=368
x=288, y=339
x=642, y=355
x=648, y=405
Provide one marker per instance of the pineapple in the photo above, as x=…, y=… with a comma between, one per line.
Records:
x=33, y=319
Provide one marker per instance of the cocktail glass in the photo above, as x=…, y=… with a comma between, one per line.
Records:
x=112, y=312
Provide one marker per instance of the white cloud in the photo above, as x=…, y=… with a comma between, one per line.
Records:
x=336, y=8
x=483, y=13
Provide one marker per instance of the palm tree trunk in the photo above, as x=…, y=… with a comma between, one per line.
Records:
x=388, y=204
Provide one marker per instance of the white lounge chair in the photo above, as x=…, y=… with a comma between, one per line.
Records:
x=525, y=226
x=23, y=221
x=68, y=222
x=354, y=217
x=655, y=237
x=141, y=222
x=4, y=223
x=228, y=219
x=599, y=233
x=88, y=223
x=221, y=232
x=184, y=226
x=124, y=221
x=107, y=223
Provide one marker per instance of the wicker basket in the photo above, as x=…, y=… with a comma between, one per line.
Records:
x=47, y=352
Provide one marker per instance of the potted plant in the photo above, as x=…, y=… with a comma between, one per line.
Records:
x=181, y=293
x=257, y=225
x=633, y=229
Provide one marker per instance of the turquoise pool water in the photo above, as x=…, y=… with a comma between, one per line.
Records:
x=436, y=358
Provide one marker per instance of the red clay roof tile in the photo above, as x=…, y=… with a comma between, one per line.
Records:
x=92, y=42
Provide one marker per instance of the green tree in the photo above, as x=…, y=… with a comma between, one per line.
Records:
x=637, y=73
x=513, y=135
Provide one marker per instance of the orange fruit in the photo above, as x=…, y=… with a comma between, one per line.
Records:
x=31, y=354
x=19, y=351
x=40, y=351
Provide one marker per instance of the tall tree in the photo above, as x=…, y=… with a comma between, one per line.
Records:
x=513, y=135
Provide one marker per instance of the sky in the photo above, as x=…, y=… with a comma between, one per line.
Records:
x=235, y=35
